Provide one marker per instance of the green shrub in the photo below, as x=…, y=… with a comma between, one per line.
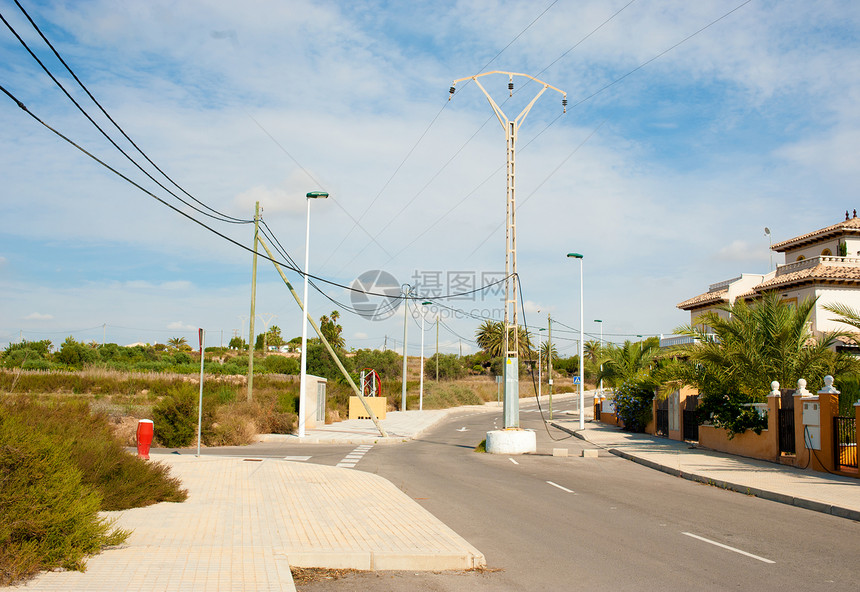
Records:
x=122, y=479
x=633, y=404
x=38, y=365
x=388, y=364
x=730, y=413
x=281, y=365
x=450, y=367
x=48, y=516
x=175, y=417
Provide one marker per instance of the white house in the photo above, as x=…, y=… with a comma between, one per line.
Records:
x=823, y=264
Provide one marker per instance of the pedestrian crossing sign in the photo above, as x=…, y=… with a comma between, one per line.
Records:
x=577, y=380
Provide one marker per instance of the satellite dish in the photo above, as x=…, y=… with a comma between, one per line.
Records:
x=766, y=230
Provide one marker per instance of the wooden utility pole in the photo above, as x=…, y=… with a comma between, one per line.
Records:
x=437, y=347
x=253, y=305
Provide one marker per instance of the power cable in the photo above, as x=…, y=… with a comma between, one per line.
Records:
x=658, y=56
x=532, y=367
x=107, y=136
x=541, y=184
x=318, y=183
x=589, y=97
x=202, y=224
x=420, y=138
x=294, y=268
x=118, y=127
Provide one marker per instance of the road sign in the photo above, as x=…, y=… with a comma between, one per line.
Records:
x=577, y=380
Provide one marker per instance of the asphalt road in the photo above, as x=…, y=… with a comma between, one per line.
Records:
x=555, y=523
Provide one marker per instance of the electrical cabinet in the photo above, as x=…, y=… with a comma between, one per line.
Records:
x=812, y=424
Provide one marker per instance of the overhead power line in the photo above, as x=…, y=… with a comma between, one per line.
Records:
x=217, y=215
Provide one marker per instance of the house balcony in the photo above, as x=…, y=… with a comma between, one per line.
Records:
x=828, y=260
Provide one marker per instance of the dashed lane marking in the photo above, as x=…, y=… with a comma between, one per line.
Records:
x=297, y=458
x=560, y=487
x=722, y=546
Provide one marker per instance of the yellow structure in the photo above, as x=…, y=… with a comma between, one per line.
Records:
x=377, y=405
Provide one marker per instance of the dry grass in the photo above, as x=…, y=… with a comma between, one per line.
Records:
x=125, y=397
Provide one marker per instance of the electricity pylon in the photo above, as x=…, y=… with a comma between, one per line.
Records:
x=511, y=339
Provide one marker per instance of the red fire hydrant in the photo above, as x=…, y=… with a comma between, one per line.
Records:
x=145, y=430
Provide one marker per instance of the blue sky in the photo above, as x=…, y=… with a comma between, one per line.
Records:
x=665, y=181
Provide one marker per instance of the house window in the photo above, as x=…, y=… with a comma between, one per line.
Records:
x=826, y=253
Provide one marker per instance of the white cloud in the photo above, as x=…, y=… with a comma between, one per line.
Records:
x=751, y=123
x=741, y=250
x=360, y=335
x=180, y=326
x=38, y=316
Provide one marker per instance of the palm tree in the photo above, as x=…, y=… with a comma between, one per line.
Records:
x=592, y=350
x=625, y=363
x=491, y=338
x=176, y=342
x=545, y=352
x=847, y=316
x=758, y=343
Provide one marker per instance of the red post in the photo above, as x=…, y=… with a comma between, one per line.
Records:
x=145, y=430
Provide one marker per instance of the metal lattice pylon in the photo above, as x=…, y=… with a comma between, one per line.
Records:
x=511, y=328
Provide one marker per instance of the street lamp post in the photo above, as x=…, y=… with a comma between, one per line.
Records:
x=421, y=380
x=539, y=360
x=406, y=289
x=304, y=373
x=581, y=335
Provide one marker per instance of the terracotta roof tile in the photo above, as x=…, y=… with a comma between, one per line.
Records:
x=705, y=299
x=819, y=273
x=851, y=225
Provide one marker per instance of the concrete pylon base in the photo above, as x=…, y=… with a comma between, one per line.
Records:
x=511, y=441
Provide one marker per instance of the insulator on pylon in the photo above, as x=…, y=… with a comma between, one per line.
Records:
x=451, y=93
x=511, y=88
x=564, y=105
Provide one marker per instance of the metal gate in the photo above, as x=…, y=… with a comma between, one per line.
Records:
x=661, y=419
x=845, y=442
x=690, y=420
x=785, y=422
x=786, y=430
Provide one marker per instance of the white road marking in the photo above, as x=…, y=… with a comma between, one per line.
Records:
x=297, y=458
x=727, y=547
x=463, y=429
x=560, y=487
x=351, y=459
x=513, y=461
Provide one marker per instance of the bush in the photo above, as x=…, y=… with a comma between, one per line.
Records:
x=729, y=413
x=450, y=367
x=281, y=365
x=321, y=364
x=633, y=404
x=122, y=479
x=388, y=364
x=175, y=417
x=48, y=516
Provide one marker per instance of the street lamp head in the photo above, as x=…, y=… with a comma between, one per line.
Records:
x=426, y=302
x=598, y=320
x=317, y=195
x=575, y=255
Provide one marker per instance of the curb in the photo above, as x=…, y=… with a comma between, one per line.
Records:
x=773, y=496
x=754, y=491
